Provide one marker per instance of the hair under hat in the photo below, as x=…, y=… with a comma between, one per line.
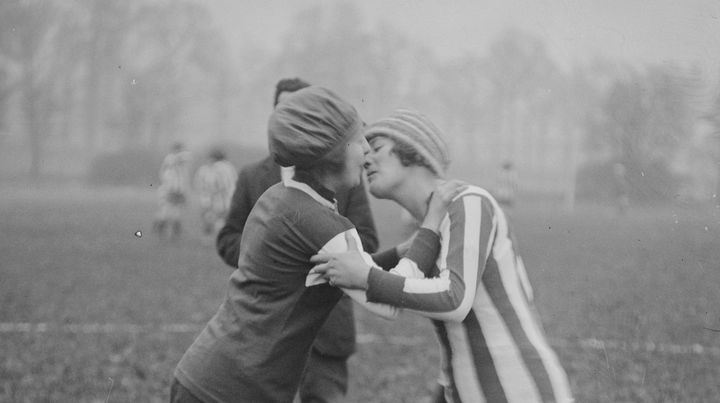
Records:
x=309, y=125
x=417, y=131
x=288, y=85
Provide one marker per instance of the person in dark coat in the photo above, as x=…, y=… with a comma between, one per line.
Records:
x=326, y=376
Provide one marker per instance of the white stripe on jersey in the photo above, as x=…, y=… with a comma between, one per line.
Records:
x=463, y=364
x=512, y=280
x=468, y=273
x=422, y=286
x=408, y=269
x=515, y=290
x=515, y=293
x=524, y=280
x=516, y=380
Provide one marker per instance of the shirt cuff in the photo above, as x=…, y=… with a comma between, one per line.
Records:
x=385, y=287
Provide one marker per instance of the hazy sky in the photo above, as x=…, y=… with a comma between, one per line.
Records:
x=637, y=31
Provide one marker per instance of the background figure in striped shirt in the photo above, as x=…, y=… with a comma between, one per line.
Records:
x=507, y=185
x=215, y=182
x=172, y=192
x=477, y=295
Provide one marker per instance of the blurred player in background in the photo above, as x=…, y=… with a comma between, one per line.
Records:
x=621, y=188
x=507, y=185
x=173, y=192
x=215, y=181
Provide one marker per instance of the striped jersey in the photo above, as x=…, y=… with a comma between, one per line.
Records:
x=216, y=183
x=480, y=301
x=174, y=172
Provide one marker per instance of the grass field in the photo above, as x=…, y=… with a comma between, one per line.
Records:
x=69, y=256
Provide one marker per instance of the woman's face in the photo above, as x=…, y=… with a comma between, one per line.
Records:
x=357, y=147
x=383, y=168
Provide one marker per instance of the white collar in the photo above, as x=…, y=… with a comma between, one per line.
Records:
x=287, y=173
x=291, y=183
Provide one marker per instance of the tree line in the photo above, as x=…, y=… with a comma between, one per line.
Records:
x=113, y=74
x=104, y=74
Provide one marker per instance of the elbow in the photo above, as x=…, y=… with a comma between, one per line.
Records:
x=458, y=310
x=460, y=302
x=457, y=315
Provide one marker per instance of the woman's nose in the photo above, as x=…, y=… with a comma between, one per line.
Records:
x=365, y=146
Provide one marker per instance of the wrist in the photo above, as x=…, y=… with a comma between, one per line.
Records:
x=431, y=225
x=366, y=284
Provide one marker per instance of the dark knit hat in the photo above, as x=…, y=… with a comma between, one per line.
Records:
x=309, y=125
x=417, y=131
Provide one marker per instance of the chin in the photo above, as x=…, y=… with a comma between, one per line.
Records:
x=351, y=183
x=377, y=191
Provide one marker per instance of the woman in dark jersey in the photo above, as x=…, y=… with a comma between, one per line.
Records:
x=256, y=346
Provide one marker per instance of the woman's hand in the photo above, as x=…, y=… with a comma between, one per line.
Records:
x=439, y=201
x=346, y=270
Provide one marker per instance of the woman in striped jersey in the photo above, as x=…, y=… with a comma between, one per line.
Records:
x=477, y=295
x=256, y=346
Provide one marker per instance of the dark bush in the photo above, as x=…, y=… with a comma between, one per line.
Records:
x=648, y=182
x=653, y=182
x=595, y=182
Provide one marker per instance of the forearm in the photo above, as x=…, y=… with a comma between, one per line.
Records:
x=383, y=310
x=423, y=252
x=467, y=238
x=406, y=285
x=436, y=298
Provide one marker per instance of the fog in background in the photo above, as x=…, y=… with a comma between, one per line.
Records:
x=97, y=91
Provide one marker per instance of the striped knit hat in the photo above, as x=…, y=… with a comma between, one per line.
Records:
x=417, y=131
